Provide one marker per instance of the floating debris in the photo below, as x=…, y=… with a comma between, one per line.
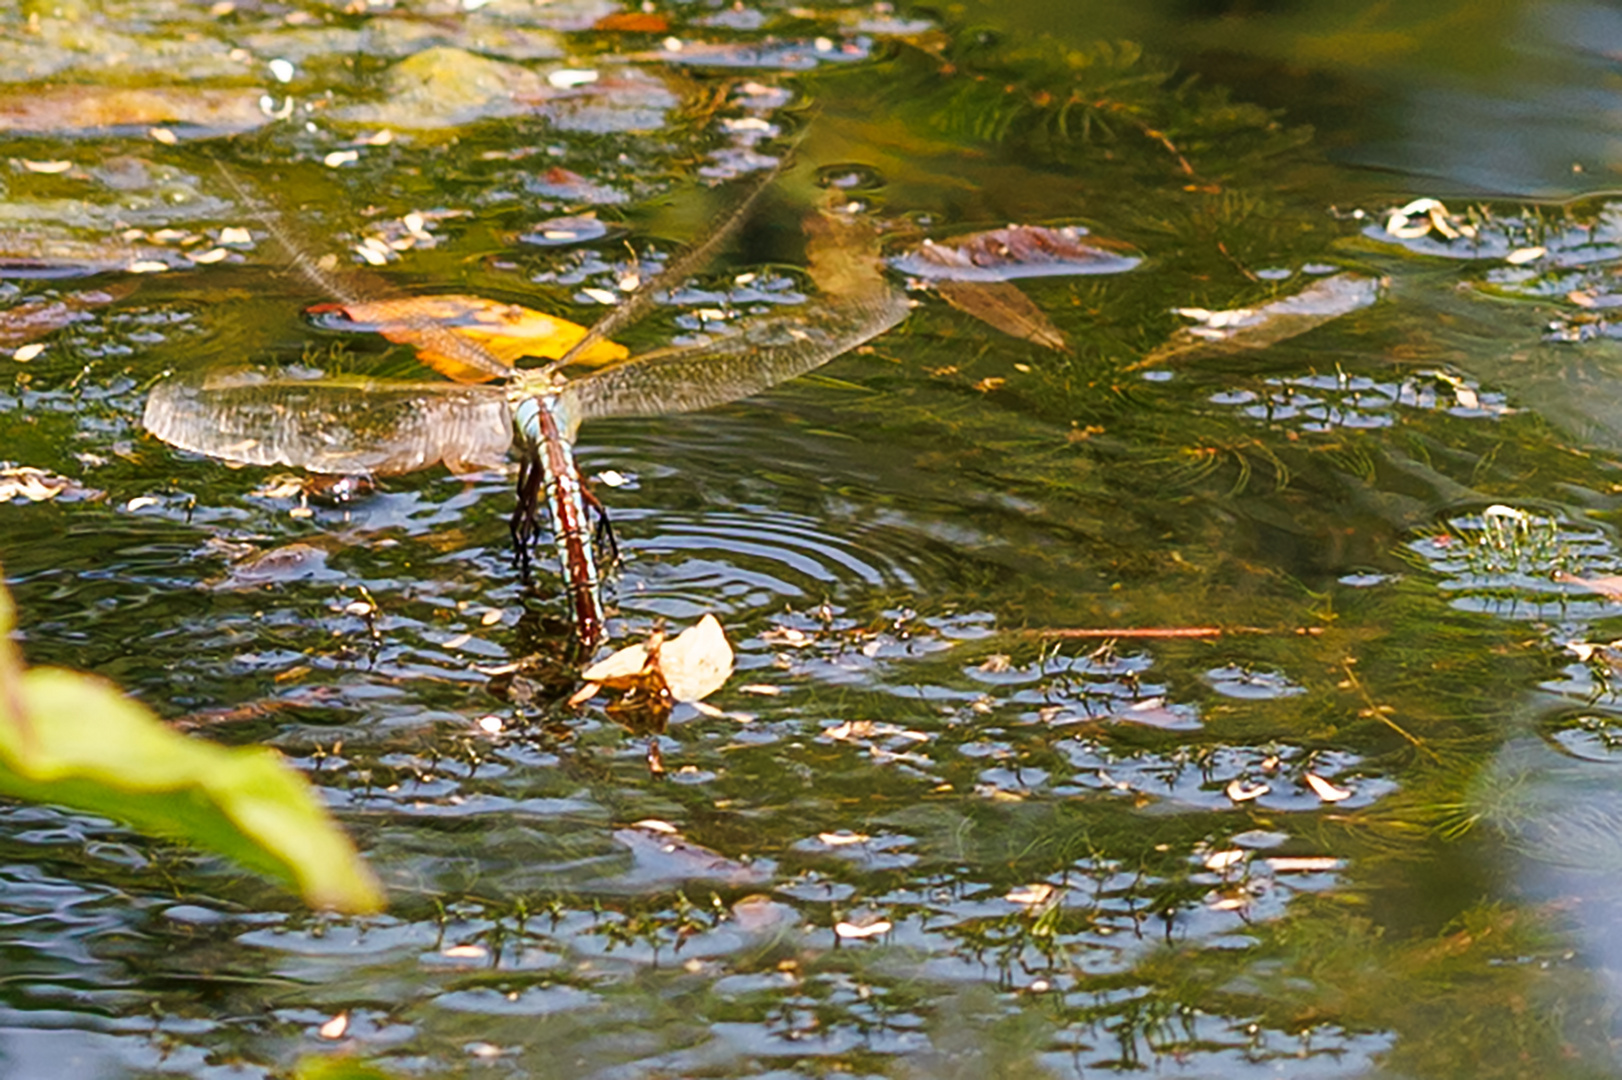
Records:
x=688, y=667
x=1017, y=251
x=573, y=229
x=23, y=483
x=1240, y=329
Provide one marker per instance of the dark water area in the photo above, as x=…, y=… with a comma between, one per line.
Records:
x=1492, y=99
x=1229, y=693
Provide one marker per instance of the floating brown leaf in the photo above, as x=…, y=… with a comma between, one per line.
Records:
x=688, y=667
x=560, y=183
x=99, y=108
x=1015, y=252
x=290, y=562
x=506, y=331
x=633, y=22
x=1608, y=586
x=1002, y=306
x=33, y=320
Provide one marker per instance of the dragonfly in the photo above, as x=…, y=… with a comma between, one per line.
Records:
x=354, y=425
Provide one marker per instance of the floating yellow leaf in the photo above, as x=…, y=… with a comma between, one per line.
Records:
x=506, y=331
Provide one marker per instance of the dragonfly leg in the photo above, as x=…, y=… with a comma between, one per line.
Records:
x=603, y=535
x=525, y=523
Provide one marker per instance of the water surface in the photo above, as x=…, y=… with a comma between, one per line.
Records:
x=929, y=829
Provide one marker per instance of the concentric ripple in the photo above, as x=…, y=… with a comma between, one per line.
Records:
x=757, y=557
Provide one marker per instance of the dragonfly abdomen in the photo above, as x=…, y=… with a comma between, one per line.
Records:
x=541, y=430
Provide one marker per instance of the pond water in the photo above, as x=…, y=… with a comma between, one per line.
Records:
x=986, y=795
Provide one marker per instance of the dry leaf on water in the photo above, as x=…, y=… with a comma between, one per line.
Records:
x=1325, y=790
x=70, y=109
x=25, y=483
x=1000, y=304
x=972, y=273
x=33, y=320
x=633, y=22
x=1238, y=329
x=1015, y=252
x=688, y=667
x=507, y=331
x=1608, y=586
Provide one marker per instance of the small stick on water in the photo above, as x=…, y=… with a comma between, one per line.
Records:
x=1166, y=631
x=1379, y=712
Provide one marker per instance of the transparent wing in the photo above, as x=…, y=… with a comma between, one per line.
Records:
x=457, y=355
x=762, y=353
x=681, y=267
x=332, y=425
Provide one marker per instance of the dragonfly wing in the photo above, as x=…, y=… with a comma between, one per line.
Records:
x=676, y=271
x=761, y=353
x=442, y=348
x=332, y=425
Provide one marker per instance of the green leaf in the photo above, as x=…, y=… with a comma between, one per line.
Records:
x=76, y=741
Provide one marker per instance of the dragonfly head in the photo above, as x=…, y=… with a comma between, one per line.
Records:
x=536, y=397
x=533, y=382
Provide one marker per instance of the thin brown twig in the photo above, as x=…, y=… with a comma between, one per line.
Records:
x=1376, y=711
x=1160, y=631
x=1241, y=267
x=1124, y=111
